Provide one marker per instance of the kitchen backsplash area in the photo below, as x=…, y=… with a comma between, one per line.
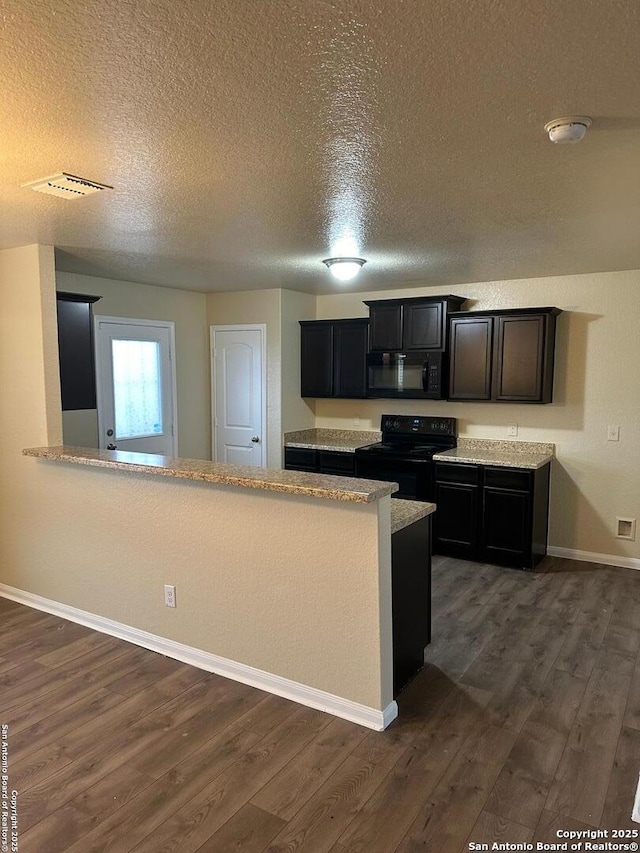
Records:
x=475, y=420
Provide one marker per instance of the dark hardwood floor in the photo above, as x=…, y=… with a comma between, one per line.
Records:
x=525, y=721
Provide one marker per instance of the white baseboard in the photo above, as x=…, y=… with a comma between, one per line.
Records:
x=592, y=557
x=371, y=718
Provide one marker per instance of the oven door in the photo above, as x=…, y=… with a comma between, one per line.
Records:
x=414, y=476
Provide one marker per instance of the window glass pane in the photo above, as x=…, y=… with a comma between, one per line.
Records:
x=137, y=388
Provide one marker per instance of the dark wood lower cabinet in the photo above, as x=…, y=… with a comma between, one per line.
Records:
x=507, y=524
x=300, y=459
x=411, y=599
x=492, y=514
x=336, y=462
x=457, y=514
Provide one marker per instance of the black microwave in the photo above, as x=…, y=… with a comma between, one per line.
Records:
x=408, y=375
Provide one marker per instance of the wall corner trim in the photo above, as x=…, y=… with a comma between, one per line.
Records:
x=592, y=557
x=363, y=715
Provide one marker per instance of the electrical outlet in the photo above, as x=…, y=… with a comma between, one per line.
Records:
x=169, y=595
x=613, y=432
x=356, y=421
x=512, y=429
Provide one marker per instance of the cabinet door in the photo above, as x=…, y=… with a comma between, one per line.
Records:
x=410, y=600
x=386, y=327
x=316, y=359
x=423, y=326
x=470, y=358
x=350, y=343
x=519, y=357
x=506, y=526
x=300, y=459
x=337, y=462
x=75, y=348
x=456, y=520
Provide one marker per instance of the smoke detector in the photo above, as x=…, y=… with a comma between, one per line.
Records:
x=568, y=128
x=65, y=185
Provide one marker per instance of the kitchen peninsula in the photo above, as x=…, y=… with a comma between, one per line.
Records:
x=237, y=540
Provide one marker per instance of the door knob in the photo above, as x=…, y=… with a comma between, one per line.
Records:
x=109, y=432
x=255, y=439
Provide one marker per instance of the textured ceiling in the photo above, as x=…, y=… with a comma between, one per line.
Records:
x=248, y=139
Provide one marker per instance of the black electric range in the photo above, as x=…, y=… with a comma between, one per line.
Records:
x=405, y=454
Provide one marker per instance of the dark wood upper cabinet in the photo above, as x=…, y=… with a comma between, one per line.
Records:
x=411, y=324
x=503, y=356
x=519, y=357
x=316, y=358
x=75, y=349
x=423, y=325
x=386, y=326
x=333, y=358
x=350, y=344
x=470, y=358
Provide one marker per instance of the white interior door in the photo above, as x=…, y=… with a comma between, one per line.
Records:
x=238, y=394
x=136, y=385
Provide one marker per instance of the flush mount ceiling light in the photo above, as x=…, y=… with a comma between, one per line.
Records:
x=568, y=128
x=344, y=269
x=65, y=185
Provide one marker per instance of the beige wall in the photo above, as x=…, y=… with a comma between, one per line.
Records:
x=299, y=587
x=296, y=412
x=596, y=383
x=258, y=306
x=189, y=313
x=30, y=378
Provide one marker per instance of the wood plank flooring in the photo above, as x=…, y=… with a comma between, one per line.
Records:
x=525, y=720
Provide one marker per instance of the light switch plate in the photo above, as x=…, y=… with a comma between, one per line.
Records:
x=613, y=432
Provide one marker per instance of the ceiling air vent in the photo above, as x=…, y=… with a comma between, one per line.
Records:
x=66, y=186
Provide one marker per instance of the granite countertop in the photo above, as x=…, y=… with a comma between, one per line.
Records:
x=343, y=440
x=508, y=454
x=404, y=513
x=291, y=482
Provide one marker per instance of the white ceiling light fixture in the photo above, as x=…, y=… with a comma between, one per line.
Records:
x=344, y=269
x=65, y=185
x=568, y=128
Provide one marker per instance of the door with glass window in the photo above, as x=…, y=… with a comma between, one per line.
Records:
x=135, y=383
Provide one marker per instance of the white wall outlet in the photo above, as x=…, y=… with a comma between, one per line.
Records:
x=626, y=528
x=356, y=421
x=512, y=429
x=613, y=432
x=169, y=595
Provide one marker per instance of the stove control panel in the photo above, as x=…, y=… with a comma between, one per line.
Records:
x=419, y=425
